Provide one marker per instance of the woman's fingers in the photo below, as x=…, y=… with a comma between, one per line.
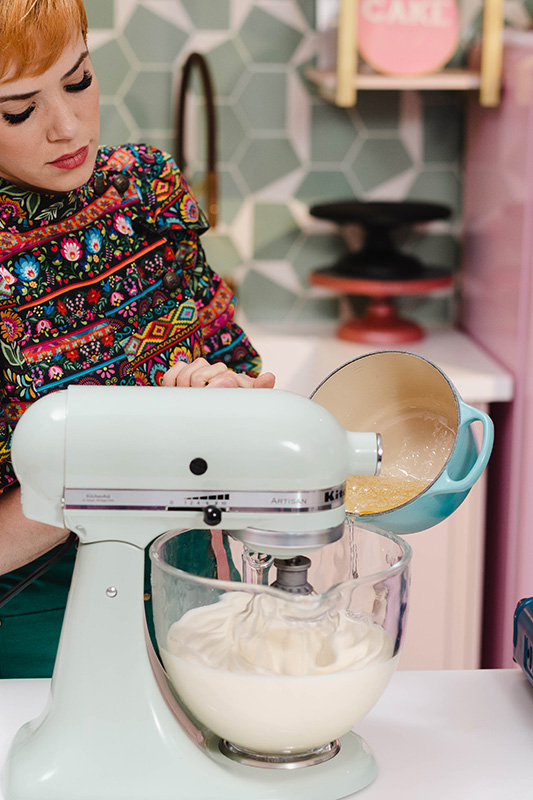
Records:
x=243, y=381
x=201, y=373
x=198, y=373
x=266, y=380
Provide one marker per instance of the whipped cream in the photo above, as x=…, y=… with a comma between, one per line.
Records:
x=275, y=675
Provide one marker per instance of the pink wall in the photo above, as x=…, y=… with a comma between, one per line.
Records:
x=497, y=311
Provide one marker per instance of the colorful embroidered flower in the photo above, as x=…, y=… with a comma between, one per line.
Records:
x=116, y=298
x=10, y=325
x=37, y=377
x=131, y=285
x=43, y=325
x=189, y=208
x=123, y=225
x=75, y=305
x=27, y=268
x=55, y=372
x=71, y=250
x=128, y=310
x=7, y=277
x=93, y=295
x=107, y=371
x=156, y=374
x=10, y=208
x=93, y=240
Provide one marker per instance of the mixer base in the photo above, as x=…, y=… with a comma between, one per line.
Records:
x=307, y=759
x=352, y=769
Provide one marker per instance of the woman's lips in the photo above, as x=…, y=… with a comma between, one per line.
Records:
x=71, y=160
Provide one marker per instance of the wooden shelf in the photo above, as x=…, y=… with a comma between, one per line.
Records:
x=342, y=87
x=449, y=79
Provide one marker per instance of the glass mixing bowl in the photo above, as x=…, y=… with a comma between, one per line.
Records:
x=272, y=673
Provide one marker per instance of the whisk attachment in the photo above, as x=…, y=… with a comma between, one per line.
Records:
x=292, y=575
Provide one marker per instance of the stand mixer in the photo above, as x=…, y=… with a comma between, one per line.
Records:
x=120, y=466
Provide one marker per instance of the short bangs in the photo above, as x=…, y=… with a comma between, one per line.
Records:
x=34, y=33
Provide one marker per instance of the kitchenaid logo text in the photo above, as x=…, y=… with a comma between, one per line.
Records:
x=103, y=497
x=331, y=495
x=434, y=13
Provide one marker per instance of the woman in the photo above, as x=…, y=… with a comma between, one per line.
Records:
x=102, y=281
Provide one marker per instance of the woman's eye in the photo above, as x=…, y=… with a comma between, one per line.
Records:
x=16, y=119
x=83, y=84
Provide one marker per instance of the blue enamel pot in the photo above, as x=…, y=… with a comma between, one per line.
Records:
x=428, y=434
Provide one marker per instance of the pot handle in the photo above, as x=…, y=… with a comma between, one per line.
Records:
x=469, y=414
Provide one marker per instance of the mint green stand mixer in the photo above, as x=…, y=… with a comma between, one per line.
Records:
x=263, y=468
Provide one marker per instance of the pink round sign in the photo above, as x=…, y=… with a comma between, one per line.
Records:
x=408, y=37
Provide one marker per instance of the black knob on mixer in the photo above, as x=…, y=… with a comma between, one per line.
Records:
x=212, y=515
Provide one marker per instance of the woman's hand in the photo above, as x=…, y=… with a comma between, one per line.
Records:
x=202, y=373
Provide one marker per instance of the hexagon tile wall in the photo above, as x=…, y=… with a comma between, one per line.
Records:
x=281, y=147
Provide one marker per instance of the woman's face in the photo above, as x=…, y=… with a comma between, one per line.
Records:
x=49, y=124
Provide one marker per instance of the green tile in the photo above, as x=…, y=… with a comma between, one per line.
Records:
x=438, y=186
x=230, y=195
x=321, y=185
x=379, y=111
x=113, y=128
x=275, y=231
x=208, y=15
x=230, y=132
x=332, y=134
x=263, y=300
x=149, y=99
x=266, y=161
x=111, y=66
x=100, y=13
x=222, y=254
x=443, y=125
x=380, y=160
x=267, y=38
x=308, y=9
x=317, y=309
x=195, y=84
x=318, y=250
x=263, y=100
x=227, y=68
x=310, y=87
x=154, y=40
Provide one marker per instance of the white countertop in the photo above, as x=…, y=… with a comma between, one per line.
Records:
x=301, y=361
x=454, y=735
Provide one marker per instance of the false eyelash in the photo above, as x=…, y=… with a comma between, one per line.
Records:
x=83, y=84
x=16, y=119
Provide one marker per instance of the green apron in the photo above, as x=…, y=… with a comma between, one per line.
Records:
x=30, y=623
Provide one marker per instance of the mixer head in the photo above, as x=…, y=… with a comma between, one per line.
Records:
x=132, y=462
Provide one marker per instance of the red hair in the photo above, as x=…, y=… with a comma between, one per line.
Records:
x=33, y=33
